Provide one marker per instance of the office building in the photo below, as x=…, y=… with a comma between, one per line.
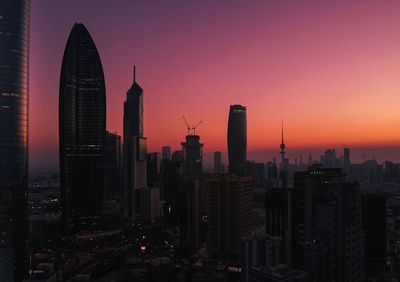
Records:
x=153, y=169
x=373, y=206
x=327, y=239
x=14, y=60
x=150, y=204
x=82, y=127
x=134, y=150
x=278, y=214
x=218, y=162
x=166, y=153
x=237, y=139
x=113, y=165
x=229, y=215
x=189, y=215
x=192, y=157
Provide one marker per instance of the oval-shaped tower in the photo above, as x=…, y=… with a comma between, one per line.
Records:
x=82, y=127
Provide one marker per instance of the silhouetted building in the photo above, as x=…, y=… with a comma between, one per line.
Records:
x=150, y=204
x=113, y=165
x=192, y=157
x=374, y=227
x=134, y=150
x=229, y=215
x=284, y=165
x=189, y=215
x=278, y=215
x=327, y=239
x=257, y=172
x=237, y=139
x=153, y=169
x=218, y=162
x=166, y=153
x=330, y=160
x=14, y=59
x=82, y=127
x=171, y=186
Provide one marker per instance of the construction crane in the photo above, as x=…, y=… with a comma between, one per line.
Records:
x=187, y=126
x=191, y=128
x=194, y=127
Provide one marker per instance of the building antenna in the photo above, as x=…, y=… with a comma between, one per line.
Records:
x=134, y=73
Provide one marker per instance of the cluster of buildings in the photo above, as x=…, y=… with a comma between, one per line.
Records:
x=318, y=225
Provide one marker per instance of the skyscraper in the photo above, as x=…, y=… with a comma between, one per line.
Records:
x=192, y=157
x=82, y=127
x=217, y=162
x=14, y=46
x=134, y=149
x=237, y=139
x=113, y=164
x=229, y=215
x=327, y=239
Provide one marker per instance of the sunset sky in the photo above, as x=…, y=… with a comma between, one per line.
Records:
x=329, y=69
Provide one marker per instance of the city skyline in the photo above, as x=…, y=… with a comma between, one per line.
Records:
x=313, y=76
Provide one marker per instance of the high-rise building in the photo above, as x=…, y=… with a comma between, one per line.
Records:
x=284, y=165
x=192, y=157
x=14, y=226
x=113, y=165
x=82, y=127
x=189, y=215
x=153, y=169
x=150, y=203
x=237, y=139
x=278, y=214
x=218, y=162
x=134, y=150
x=373, y=206
x=171, y=185
x=229, y=215
x=166, y=153
x=327, y=238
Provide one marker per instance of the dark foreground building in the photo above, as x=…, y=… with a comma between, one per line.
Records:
x=82, y=127
x=14, y=44
x=237, y=139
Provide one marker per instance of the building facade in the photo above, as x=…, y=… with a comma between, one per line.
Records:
x=14, y=59
x=82, y=127
x=134, y=150
x=229, y=215
x=237, y=139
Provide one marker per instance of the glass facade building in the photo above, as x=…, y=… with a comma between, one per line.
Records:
x=134, y=150
x=14, y=55
x=237, y=139
x=82, y=127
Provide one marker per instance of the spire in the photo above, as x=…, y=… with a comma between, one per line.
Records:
x=282, y=147
x=134, y=73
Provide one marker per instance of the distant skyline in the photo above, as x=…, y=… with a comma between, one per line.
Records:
x=331, y=71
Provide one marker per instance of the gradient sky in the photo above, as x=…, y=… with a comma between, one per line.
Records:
x=329, y=69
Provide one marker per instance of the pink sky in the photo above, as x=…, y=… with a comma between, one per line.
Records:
x=331, y=71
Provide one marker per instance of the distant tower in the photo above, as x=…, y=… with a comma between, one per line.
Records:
x=237, y=139
x=283, y=147
x=283, y=169
x=134, y=149
x=82, y=129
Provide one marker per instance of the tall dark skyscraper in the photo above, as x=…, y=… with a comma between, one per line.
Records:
x=326, y=222
x=217, y=162
x=134, y=149
x=14, y=31
x=82, y=127
x=112, y=165
x=237, y=139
